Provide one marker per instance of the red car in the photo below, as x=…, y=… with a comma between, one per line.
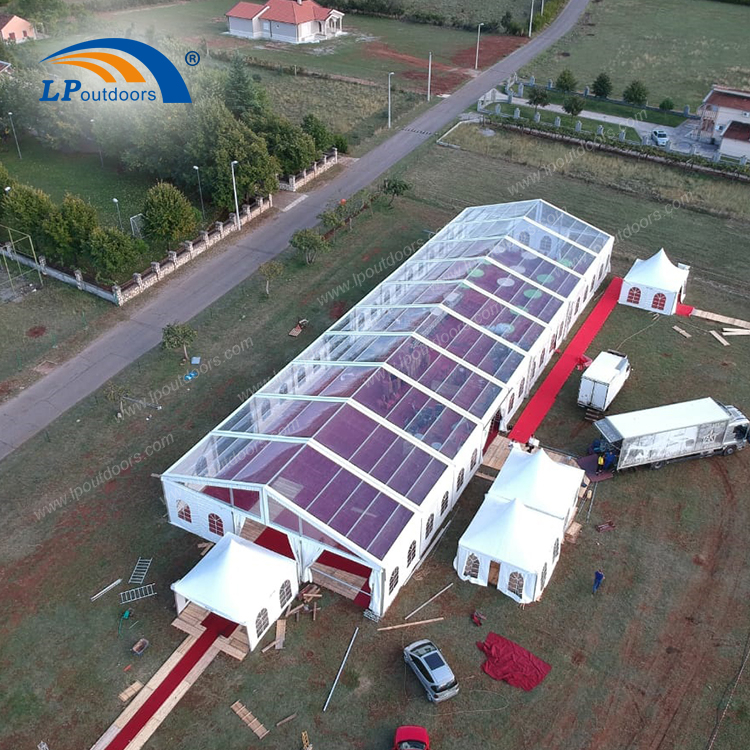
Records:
x=411, y=738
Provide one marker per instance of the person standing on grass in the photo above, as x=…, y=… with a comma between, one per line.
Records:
x=598, y=578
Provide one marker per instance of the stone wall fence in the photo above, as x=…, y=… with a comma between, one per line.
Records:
x=294, y=182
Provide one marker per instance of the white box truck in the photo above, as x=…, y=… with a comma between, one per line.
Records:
x=691, y=429
x=602, y=380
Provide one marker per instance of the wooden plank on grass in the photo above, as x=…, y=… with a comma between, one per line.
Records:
x=736, y=333
x=682, y=332
x=130, y=691
x=719, y=338
x=268, y=647
x=280, y=634
x=284, y=721
x=411, y=624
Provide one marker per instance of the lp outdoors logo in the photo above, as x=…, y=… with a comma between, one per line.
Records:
x=172, y=87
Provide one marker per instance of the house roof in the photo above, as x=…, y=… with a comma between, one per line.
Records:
x=738, y=131
x=5, y=19
x=283, y=11
x=657, y=272
x=731, y=99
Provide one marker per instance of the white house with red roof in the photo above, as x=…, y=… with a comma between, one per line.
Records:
x=15, y=29
x=294, y=21
x=736, y=140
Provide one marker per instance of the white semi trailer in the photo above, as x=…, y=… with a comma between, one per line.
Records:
x=691, y=429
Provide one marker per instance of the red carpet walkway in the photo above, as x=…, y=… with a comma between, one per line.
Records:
x=536, y=410
x=684, y=310
x=215, y=626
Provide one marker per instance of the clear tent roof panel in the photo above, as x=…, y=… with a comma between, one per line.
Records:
x=279, y=416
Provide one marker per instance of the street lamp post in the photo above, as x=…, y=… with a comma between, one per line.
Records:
x=236, y=205
x=200, y=191
x=389, y=99
x=476, y=59
x=101, y=158
x=15, y=137
x=531, y=17
x=119, y=218
x=429, y=76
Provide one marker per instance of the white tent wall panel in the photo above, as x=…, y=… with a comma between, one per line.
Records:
x=200, y=507
x=398, y=557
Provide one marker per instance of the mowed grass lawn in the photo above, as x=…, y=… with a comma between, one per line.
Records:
x=58, y=173
x=628, y=666
x=678, y=48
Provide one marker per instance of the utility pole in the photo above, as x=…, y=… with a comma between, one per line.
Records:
x=389, y=100
x=531, y=17
x=476, y=60
x=236, y=206
x=15, y=137
x=429, y=76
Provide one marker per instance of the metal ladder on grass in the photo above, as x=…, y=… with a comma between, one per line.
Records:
x=138, y=576
x=133, y=595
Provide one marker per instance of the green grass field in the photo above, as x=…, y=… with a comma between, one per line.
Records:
x=58, y=173
x=678, y=48
x=629, y=666
x=719, y=196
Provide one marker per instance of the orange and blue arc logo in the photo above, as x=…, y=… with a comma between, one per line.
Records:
x=89, y=56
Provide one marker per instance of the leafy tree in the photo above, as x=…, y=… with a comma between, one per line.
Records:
x=341, y=143
x=270, y=270
x=666, y=104
x=168, y=217
x=216, y=139
x=334, y=218
x=177, y=336
x=308, y=243
x=573, y=105
x=509, y=25
x=26, y=208
x=294, y=149
x=317, y=129
x=69, y=227
x=538, y=97
x=116, y=394
x=241, y=93
x=395, y=188
x=566, y=81
x=602, y=86
x=113, y=253
x=636, y=93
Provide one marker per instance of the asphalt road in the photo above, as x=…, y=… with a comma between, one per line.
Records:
x=182, y=298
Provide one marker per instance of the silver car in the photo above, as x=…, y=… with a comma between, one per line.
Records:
x=660, y=137
x=428, y=664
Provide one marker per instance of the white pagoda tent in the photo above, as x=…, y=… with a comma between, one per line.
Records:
x=243, y=583
x=510, y=546
x=655, y=284
x=540, y=482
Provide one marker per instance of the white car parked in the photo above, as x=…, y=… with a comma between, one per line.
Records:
x=660, y=137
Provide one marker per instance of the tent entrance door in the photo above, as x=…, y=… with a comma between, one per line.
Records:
x=494, y=574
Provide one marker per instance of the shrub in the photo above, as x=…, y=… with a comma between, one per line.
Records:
x=566, y=81
x=573, y=105
x=636, y=93
x=510, y=25
x=666, y=104
x=602, y=86
x=340, y=143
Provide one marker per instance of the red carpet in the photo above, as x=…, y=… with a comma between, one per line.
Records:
x=684, y=310
x=510, y=662
x=215, y=626
x=541, y=402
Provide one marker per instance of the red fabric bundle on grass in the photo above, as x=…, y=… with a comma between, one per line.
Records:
x=510, y=662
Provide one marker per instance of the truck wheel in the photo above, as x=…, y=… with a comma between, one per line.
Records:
x=729, y=450
x=657, y=464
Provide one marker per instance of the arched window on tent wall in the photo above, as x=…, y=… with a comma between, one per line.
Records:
x=444, y=504
x=474, y=457
x=471, y=569
x=511, y=401
x=533, y=370
x=634, y=295
x=430, y=524
x=556, y=549
x=553, y=344
x=659, y=301
x=522, y=388
x=524, y=238
x=393, y=582
x=545, y=245
x=411, y=554
x=578, y=305
x=261, y=622
x=460, y=481
x=285, y=593
x=543, y=578
x=541, y=361
x=215, y=524
x=183, y=512
x=515, y=583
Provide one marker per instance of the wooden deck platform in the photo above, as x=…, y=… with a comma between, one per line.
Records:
x=189, y=621
x=251, y=530
x=340, y=582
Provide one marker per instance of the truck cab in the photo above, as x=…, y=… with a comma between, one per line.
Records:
x=738, y=431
